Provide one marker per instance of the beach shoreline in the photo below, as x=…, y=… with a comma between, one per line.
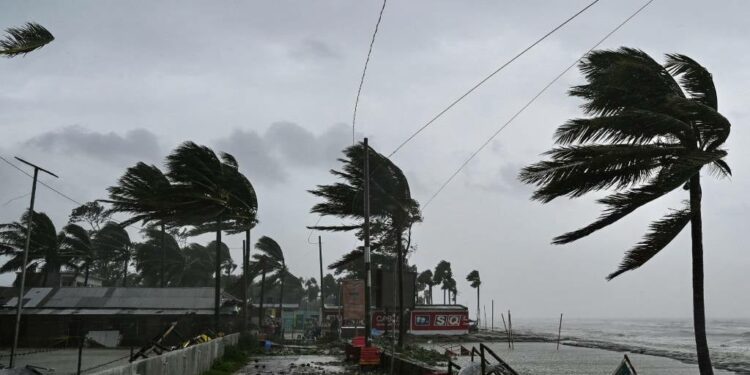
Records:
x=532, y=337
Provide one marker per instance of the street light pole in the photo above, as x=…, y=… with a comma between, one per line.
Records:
x=368, y=278
x=22, y=285
x=322, y=298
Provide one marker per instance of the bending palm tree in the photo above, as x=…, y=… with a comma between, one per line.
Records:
x=427, y=279
x=49, y=251
x=111, y=247
x=442, y=274
x=22, y=40
x=473, y=278
x=147, y=194
x=653, y=129
x=210, y=195
x=273, y=259
x=391, y=204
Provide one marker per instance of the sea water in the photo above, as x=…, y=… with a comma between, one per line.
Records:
x=729, y=340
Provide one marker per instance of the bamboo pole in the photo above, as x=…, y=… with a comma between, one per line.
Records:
x=507, y=333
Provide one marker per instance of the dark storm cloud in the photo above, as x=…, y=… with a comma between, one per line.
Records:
x=78, y=140
x=314, y=49
x=267, y=157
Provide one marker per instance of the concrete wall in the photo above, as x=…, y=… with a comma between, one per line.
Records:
x=193, y=360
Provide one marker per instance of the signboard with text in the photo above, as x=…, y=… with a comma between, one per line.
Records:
x=439, y=322
x=353, y=298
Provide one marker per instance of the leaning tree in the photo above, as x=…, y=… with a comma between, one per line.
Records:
x=651, y=129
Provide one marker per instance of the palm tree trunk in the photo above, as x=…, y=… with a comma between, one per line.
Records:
x=245, y=286
x=281, y=308
x=429, y=300
x=86, y=276
x=125, y=267
x=217, y=282
x=400, y=270
x=477, y=306
x=443, y=296
x=163, y=255
x=262, y=295
x=699, y=313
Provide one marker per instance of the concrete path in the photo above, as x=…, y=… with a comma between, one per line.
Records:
x=297, y=365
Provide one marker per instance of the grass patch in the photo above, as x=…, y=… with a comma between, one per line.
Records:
x=236, y=357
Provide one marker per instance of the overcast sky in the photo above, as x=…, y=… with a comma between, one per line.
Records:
x=274, y=83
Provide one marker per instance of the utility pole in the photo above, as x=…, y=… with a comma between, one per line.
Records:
x=243, y=323
x=322, y=298
x=492, y=316
x=368, y=278
x=246, y=280
x=29, y=221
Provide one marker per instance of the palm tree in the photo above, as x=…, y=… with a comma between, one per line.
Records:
x=111, y=249
x=272, y=256
x=427, y=279
x=212, y=195
x=651, y=131
x=22, y=40
x=150, y=256
x=473, y=278
x=442, y=274
x=147, y=194
x=391, y=204
x=49, y=250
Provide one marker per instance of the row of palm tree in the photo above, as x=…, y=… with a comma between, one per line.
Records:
x=200, y=190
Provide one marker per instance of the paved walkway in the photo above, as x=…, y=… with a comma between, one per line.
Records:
x=297, y=365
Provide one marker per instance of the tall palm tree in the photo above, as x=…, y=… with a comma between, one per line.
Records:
x=147, y=194
x=427, y=279
x=442, y=274
x=391, y=204
x=475, y=282
x=49, y=250
x=273, y=258
x=22, y=40
x=651, y=131
x=212, y=195
x=111, y=248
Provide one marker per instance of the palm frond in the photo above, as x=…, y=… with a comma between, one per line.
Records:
x=694, y=78
x=25, y=39
x=631, y=127
x=660, y=234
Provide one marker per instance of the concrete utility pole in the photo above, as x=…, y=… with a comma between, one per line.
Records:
x=368, y=278
x=29, y=221
x=322, y=298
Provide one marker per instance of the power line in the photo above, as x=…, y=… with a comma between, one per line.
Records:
x=42, y=183
x=487, y=78
x=533, y=99
x=364, y=70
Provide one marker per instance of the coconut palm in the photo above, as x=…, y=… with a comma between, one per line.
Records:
x=475, y=282
x=651, y=131
x=111, y=249
x=443, y=273
x=212, y=195
x=49, y=250
x=22, y=40
x=147, y=195
x=151, y=265
x=391, y=204
x=426, y=278
x=272, y=257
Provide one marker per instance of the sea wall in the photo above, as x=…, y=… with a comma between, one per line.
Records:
x=192, y=360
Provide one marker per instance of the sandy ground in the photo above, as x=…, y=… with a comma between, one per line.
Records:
x=298, y=365
x=65, y=361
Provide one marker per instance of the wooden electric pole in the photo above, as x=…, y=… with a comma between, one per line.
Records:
x=22, y=284
x=368, y=278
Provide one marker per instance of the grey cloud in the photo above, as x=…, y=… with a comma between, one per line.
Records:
x=254, y=156
x=285, y=144
x=110, y=146
x=312, y=49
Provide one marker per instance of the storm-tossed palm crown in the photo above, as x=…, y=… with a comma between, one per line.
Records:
x=22, y=40
x=49, y=250
x=652, y=129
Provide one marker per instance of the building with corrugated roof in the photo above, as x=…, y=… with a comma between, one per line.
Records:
x=51, y=315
